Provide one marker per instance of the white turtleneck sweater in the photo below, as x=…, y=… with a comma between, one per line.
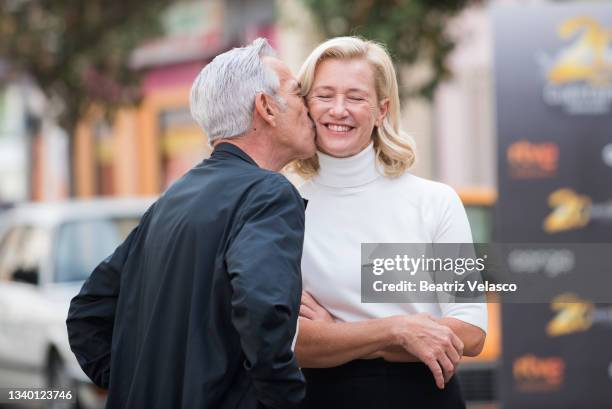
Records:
x=350, y=202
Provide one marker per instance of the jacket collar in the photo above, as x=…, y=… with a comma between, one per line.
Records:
x=229, y=149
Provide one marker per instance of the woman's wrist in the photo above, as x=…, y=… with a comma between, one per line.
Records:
x=392, y=332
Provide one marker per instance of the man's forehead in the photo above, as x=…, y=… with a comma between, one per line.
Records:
x=281, y=69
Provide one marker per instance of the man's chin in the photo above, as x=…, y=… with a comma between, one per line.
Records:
x=307, y=154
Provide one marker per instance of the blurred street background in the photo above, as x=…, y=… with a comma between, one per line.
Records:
x=508, y=101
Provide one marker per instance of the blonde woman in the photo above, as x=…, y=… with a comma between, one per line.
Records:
x=372, y=355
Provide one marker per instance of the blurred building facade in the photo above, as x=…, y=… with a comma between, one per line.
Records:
x=14, y=145
x=463, y=140
x=33, y=149
x=147, y=147
x=454, y=133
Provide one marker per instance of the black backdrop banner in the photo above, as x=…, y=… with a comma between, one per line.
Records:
x=553, y=73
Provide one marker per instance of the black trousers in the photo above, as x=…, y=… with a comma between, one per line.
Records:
x=377, y=384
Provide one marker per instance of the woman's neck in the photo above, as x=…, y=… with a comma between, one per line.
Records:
x=352, y=171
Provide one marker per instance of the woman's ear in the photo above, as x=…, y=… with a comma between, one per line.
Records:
x=265, y=108
x=383, y=110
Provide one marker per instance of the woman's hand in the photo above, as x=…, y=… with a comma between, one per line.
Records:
x=323, y=342
x=434, y=344
x=312, y=310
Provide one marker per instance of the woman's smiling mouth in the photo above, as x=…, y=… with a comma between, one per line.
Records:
x=339, y=128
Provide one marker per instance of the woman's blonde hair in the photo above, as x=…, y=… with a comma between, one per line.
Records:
x=394, y=151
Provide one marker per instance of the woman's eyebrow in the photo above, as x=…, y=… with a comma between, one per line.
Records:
x=323, y=88
x=330, y=88
x=363, y=91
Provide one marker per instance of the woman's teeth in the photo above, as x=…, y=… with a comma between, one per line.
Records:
x=338, y=128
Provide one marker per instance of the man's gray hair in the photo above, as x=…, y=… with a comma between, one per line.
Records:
x=223, y=94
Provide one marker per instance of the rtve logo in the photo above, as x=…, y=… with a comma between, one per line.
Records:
x=532, y=373
x=527, y=160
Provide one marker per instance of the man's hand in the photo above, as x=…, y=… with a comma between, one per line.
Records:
x=434, y=344
x=312, y=310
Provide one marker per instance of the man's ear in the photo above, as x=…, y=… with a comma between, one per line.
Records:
x=265, y=108
x=383, y=110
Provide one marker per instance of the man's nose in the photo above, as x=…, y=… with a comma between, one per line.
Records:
x=310, y=118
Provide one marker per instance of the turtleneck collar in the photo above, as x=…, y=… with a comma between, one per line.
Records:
x=353, y=171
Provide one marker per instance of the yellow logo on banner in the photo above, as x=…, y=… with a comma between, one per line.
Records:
x=589, y=58
x=573, y=315
x=570, y=211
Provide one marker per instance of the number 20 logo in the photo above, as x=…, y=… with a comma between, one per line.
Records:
x=588, y=58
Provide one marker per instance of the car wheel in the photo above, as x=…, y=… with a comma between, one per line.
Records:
x=58, y=378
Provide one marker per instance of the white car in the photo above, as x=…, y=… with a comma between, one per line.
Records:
x=47, y=250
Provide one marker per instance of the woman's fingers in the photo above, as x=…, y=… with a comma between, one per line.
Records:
x=434, y=344
x=307, y=312
x=307, y=299
x=458, y=344
x=315, y=310
x=447, y=367
x=453, y=355
x=436, y=370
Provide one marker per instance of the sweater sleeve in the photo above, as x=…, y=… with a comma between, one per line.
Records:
x=453, y=227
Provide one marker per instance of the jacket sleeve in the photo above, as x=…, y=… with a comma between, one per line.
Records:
x=92, y=314
x=263, y=261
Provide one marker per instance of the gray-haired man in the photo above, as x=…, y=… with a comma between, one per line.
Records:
x=198, y=307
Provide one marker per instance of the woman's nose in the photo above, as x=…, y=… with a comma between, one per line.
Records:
x=338, y=107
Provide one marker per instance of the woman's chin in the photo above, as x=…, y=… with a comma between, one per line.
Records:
x=337, y=147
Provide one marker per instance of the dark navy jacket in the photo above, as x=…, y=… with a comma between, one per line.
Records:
x=198, y=307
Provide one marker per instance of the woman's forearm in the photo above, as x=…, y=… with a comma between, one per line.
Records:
x=473, y=337
x=324, y=344
x=396, y=354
